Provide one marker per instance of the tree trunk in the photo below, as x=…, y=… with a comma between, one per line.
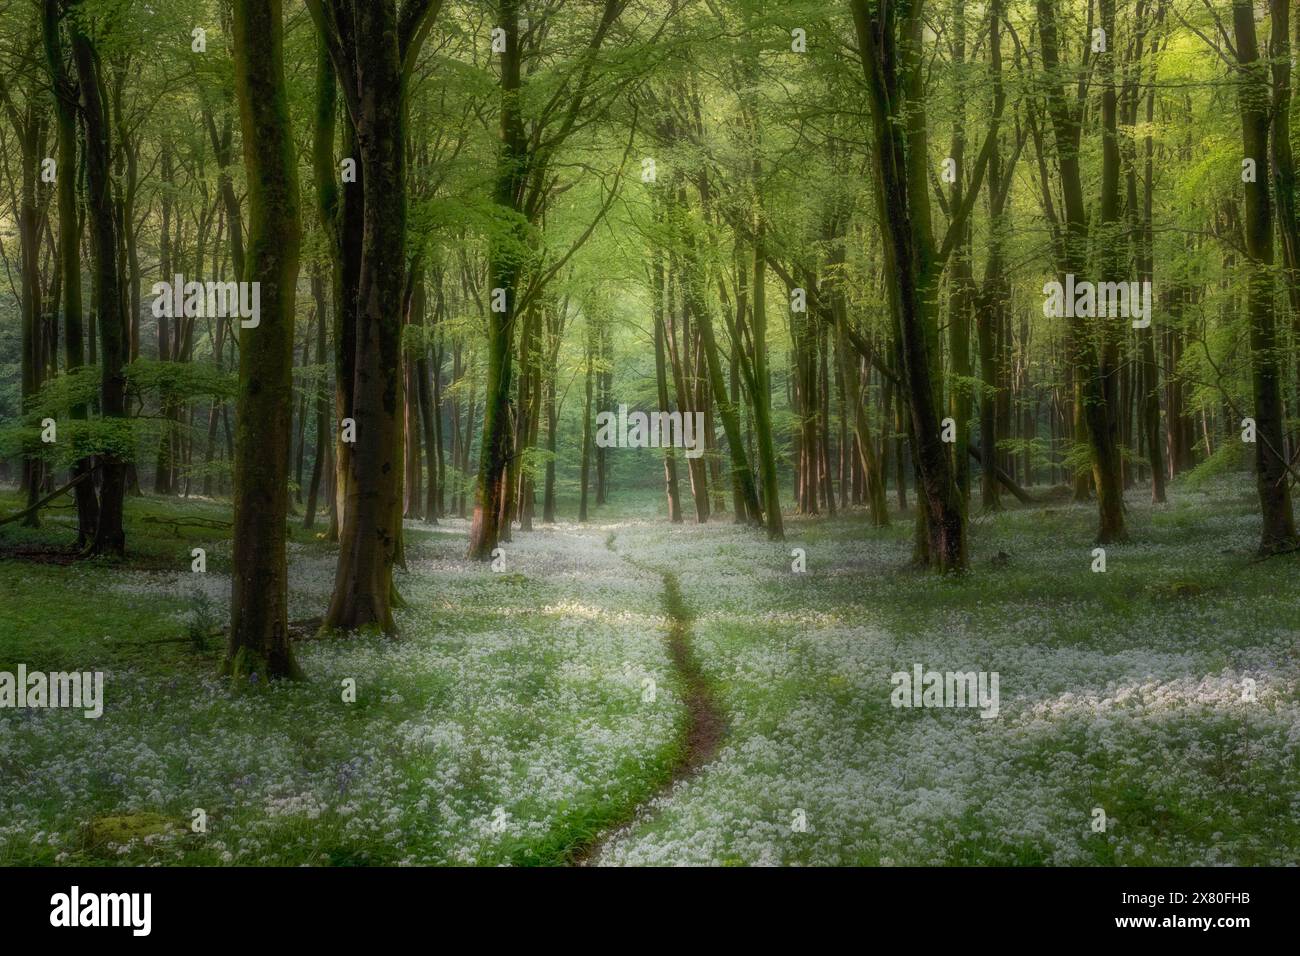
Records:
x=1093, y=415
x=430, y=413
x=322, y=401
x=259, y=634
x=1271, y=478
x=762, y=396
x=555, y=321
x=503, y=275
x=65, y=109
x=110, y=312
x=31, y=136
x=370, y=534
x=903, y=205
x=661, y=389
x=584, y=477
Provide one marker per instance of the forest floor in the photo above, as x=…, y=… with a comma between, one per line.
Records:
x=629, y=692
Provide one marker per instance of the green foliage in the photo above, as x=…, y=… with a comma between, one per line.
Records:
x=1078, y=458
x=202, y=622
x=1230, y=456
x=180, y=381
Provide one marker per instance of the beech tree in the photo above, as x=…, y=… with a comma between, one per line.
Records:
x=889, y=39
x=65, y=109
x=523, y=184
x=110, y=304
x=259, y=631
x=372, y=47
x=1271, y=469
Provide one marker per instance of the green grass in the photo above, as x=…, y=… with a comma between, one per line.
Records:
x=519, y=692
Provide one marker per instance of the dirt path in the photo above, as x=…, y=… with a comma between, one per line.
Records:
x=705, y=726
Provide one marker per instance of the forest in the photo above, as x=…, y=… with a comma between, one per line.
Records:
x=465, y=432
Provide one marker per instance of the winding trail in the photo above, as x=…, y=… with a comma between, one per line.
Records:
x=705, y=725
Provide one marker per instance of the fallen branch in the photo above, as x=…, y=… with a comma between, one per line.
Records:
x=50, y=497
x=176, y=523
x=1021, y=495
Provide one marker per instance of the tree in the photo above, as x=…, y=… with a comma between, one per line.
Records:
x=65, y=110
x=106, y=279
x=29, y=115
x=1091, y=369
x=259, y=627
x=372, y=46
x=1272, y=480
x=889, y=46
x=521, y=190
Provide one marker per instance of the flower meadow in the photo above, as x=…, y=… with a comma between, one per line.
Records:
x=508, y=724
x=1121, y=690
x=504, y=725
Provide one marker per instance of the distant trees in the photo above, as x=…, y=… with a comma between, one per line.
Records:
x=834, y=252
x=524, y=183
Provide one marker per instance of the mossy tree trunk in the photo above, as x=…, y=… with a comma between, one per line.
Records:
x=504, y=269
x=1272, y=481
x=259, y=634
